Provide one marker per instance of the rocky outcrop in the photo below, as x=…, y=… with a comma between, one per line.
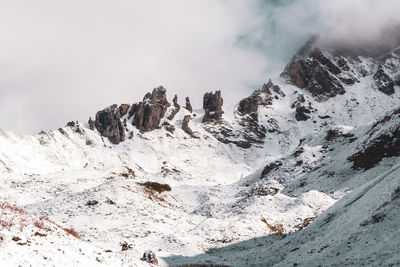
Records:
x=212, y=104
x=323, y=74
x=272, y=166
x=383, y=142
x=326, y=68
x=123, y=109
x=176, y=110
x=109, y=124
x=260, y=97
x=383, y=82
x=91, y=124
x=186, y=128
x=275, y=88
x=302, y=113
x=386, y=145
x=188, y=106
x=248, y=105
x=317, y=74
x=299, y=101
x=71, y=124
x=147, y=115
x=150, y=257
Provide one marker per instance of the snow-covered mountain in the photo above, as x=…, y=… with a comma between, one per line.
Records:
x=303, y=172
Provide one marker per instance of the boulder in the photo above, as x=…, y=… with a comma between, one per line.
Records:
x=302, y=113
x=150, y=257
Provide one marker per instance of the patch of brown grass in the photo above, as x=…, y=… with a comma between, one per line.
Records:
x=22, y=224
x=276, y=229
x=72, y=232
x=306, y=222
x=40, y=224
x=151, y=194
x=154, y=186
x=5, y=206
x=6, y=224
x=128, y=174
x=12, y=208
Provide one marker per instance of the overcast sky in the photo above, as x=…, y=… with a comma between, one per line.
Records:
x=63, y=60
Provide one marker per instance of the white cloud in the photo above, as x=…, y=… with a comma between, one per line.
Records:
x=67, y=59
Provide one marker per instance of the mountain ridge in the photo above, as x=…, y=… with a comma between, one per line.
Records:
x=304, y=143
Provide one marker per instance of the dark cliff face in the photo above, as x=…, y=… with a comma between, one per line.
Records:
x=318, y=74
x=325, y=69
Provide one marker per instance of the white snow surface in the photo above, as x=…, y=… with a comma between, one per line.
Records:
x=219, y=211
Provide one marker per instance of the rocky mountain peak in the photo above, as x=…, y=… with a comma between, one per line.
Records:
x=327, y=69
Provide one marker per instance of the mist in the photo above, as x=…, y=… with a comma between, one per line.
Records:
x=64, y=60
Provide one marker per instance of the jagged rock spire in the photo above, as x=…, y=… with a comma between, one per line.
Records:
x=177, y=108
x=188, y=105
x=212, y=104
x=148, y=114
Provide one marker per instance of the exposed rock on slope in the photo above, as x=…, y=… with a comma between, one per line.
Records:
x=261, y=97
x=109, y=124
x=212, y=104
x=302, y=113
x=248, y=105
x=327, y=71
x=186, y=128
x=317, y=74
x=147, y=115
x=123, y=109
x=188, y=106
x=176, y=110
x=383, y=142
x=384, y=82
